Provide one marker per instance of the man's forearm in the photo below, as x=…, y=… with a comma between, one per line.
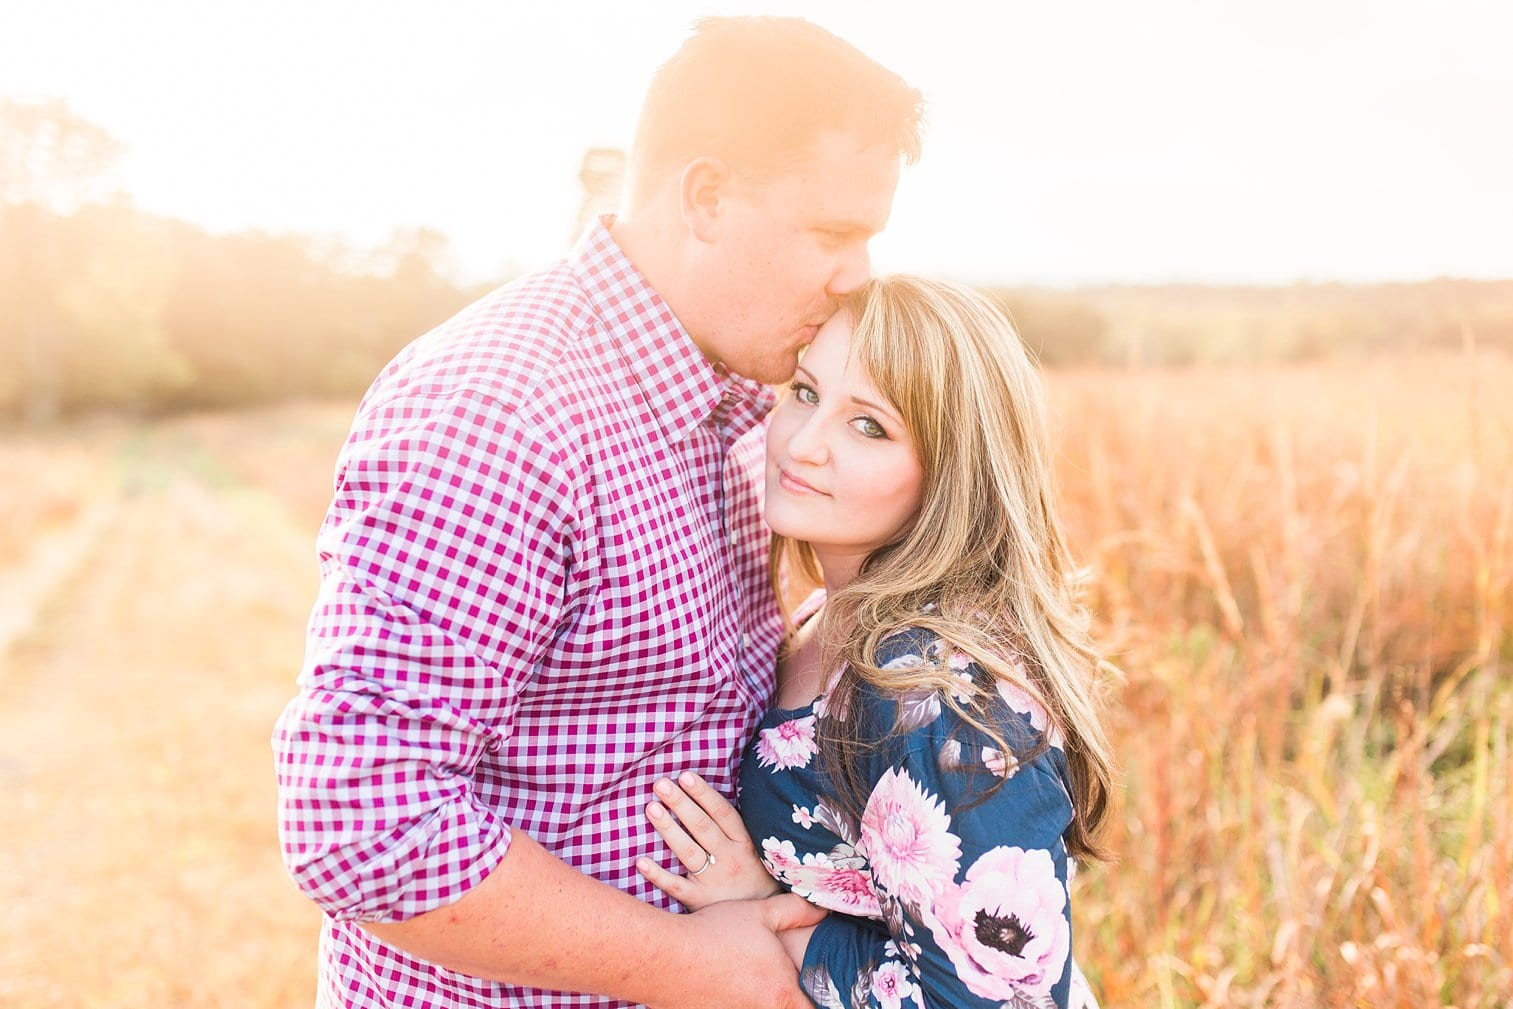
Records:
x=536, y=921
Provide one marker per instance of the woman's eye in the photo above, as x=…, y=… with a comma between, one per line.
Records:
x=805, y=394
x=869, y=427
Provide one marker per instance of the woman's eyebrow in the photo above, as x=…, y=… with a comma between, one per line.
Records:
x=877, y=407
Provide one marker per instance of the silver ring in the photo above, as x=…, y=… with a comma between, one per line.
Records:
x=708, y=861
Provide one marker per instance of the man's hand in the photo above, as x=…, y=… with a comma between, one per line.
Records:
x=743, y=962
x=796, y=943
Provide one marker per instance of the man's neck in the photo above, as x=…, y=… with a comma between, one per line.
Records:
x=652, y=239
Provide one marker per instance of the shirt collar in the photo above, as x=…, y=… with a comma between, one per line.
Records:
x=742, y=404
x=682, y=388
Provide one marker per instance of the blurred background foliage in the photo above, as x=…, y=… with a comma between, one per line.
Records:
x=106, y=307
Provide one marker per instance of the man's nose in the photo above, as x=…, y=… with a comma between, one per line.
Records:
x=854, y=270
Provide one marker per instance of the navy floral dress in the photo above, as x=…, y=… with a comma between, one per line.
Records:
x=943, y=893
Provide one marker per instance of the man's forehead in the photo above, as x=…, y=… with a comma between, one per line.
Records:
x=848, y=183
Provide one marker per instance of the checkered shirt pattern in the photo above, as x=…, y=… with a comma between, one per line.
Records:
x=543, y=585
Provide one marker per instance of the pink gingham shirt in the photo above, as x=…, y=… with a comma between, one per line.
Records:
x=543, y=585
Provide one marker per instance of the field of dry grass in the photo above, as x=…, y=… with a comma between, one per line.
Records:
x=1305, y=577
x=156, y=580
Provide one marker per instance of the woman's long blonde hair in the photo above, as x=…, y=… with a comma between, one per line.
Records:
x=983, y=564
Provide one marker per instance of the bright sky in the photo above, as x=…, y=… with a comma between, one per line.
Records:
x=1069, y=142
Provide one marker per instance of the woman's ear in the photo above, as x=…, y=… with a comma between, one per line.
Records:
x=705, y=182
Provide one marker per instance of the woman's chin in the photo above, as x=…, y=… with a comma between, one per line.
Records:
x=780, y=518
x=788, y=531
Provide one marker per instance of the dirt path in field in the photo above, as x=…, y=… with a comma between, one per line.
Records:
x=53, y=556
x=163, y=634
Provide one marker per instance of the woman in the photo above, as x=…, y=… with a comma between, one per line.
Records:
x=934, y=762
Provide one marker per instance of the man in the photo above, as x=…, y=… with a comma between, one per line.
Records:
x=543, y=576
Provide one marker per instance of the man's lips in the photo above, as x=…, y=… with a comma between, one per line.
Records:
x=793, y=484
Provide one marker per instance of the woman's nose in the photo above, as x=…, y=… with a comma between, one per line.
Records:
x=807, y=443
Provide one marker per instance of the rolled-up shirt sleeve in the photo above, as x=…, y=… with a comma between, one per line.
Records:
x=445, y=560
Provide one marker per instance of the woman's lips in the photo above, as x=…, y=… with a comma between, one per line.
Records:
x=794, y=485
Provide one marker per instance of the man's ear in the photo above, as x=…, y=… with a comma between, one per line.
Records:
x=705, y=184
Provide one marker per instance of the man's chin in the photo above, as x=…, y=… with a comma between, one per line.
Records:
x=769, y=372
x=780, y=374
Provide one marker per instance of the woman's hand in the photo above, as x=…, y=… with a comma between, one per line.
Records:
x=707, y=835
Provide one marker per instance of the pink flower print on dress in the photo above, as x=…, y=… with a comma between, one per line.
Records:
x=1018, y=699
x=819, y=986
x=822, y=702
x=906, y=835
x=1004, y=927
x=949, y=757
x=837, y=883
x=1004, y=765
x=848, y=891
x=962, y=687
x=802, y=816
x=908, y=950
x=916, y=708
x=787, y=744
x=837, y=821
x=908, y=660
x=891, y=984
x=822, y=705
x=780, y=857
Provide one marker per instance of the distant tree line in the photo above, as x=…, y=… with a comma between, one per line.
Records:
x=104, y=306
x=1177, y=325
x=112, y=308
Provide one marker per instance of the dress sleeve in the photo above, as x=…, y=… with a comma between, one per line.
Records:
x=972, y=880
x=444, y=559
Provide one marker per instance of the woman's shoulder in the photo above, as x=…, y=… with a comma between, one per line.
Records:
x=906, y=708
x=913, y=646
x=986, y=747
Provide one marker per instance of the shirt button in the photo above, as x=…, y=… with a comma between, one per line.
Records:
x=733, y=537
x=745, y=640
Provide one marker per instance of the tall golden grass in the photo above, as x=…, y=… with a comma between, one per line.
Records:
x=1302, y=574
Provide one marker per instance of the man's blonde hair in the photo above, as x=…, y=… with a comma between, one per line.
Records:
x=757, y=92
